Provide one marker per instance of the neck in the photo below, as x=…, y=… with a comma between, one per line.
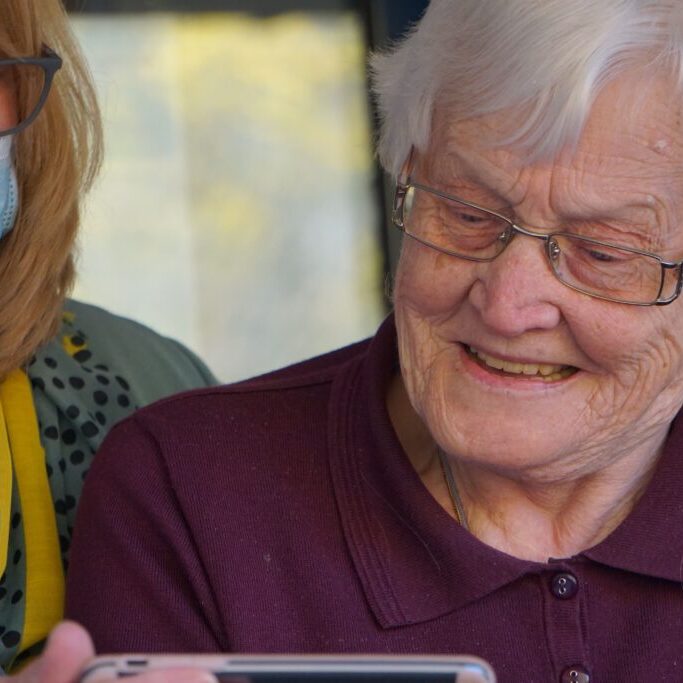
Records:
x=555, y=511
x=539, y=518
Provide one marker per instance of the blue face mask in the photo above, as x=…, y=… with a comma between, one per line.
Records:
x=9, y=189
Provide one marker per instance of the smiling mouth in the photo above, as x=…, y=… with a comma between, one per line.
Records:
x=543, y=371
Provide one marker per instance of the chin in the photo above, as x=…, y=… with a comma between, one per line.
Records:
x=504, y=442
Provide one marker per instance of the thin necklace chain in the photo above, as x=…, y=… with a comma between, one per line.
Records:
x=452, y=489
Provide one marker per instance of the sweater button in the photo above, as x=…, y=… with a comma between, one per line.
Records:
x=564, y=586
x=575, y=674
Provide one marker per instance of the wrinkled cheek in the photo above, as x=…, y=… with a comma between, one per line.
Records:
x=660, y=379
x=428, y=283
x=638, y=392
x=412, y=310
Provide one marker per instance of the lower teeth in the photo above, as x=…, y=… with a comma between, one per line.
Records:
x=556, y=376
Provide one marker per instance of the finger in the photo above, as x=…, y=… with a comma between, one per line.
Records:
x=67, y=650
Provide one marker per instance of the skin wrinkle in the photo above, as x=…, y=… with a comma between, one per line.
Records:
x=626, y=389
x=488, y=173
x=649, y=208
x=553, y=471
x=567, y=207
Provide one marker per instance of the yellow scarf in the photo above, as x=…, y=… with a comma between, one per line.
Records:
x=21, y=451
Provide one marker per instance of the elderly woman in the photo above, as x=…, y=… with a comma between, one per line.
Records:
x=498, y=471
x=68, y=371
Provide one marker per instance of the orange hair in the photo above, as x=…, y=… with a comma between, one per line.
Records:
x=57, y=158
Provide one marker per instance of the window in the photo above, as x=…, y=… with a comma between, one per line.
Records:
x=236, y=209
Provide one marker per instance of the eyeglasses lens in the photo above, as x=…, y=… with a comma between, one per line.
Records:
x=21, y=86
x=606, y=271
x=452, y=226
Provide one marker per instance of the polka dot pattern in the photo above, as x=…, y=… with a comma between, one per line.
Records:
x=12, y=585
x=81, y=386
x=77, y=400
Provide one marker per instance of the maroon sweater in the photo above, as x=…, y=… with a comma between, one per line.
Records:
x=281, y=515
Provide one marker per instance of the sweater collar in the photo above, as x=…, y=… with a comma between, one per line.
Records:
x=414, y=561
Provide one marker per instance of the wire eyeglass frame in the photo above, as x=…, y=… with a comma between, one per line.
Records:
x=550, y=239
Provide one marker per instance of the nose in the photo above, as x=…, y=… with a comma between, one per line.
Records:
x=517, y=292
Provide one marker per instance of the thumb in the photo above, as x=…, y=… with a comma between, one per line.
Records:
x=68, y=649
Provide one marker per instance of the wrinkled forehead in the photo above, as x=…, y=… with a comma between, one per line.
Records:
x=637, y=118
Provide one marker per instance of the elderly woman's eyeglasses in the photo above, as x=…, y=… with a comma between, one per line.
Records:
x=465, y=230
x=24, y=86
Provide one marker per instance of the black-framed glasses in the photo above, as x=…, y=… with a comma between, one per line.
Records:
x=599, y=269
x=24, y=86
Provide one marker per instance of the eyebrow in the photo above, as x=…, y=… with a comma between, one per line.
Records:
x=645, y=234
x=470, y=177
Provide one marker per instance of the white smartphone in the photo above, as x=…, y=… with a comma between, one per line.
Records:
x=301, y=668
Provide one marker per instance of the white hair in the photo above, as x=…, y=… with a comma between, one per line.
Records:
x=551, y=56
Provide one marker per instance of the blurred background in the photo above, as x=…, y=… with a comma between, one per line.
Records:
x=240, y=208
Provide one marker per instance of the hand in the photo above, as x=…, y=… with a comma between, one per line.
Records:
x=69, y=648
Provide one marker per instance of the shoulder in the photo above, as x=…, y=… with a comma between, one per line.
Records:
x=279, y=411
x=263, y=439
x=112, y=333
x=294, y=384
x=155, y=365
x=100, y=367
